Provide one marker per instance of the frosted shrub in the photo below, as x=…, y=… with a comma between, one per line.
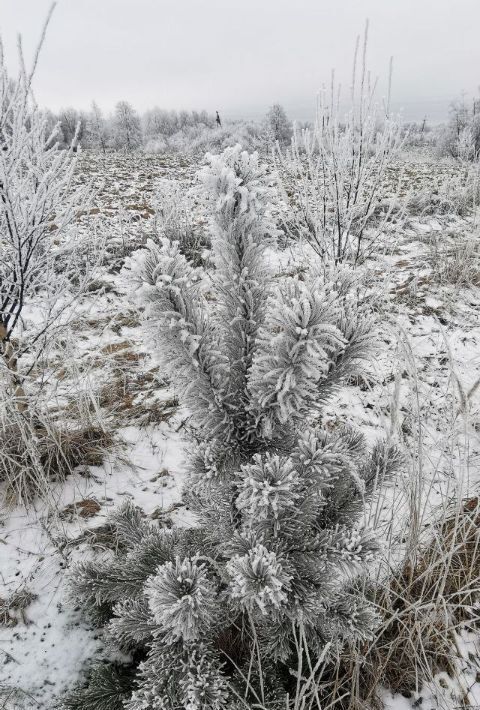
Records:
x=460, y=138
x=339, y=168
x=41, y=255
x=278, y=127
x=279, y=543
x=198, y=139
x=97, y=132
x=46, y=263
x=159, y=124
x=126, y=129
x=174, y=209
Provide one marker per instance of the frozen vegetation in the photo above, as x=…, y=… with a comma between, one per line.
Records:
x=239, y=420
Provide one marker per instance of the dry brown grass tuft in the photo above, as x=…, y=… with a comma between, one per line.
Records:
x=34, y=455
x=127, y=394
x=13, y=608
x=113, y=348
x=159, y=412
x=86, y=508
x=457, y=264
x=423, y=604
x=428, y=599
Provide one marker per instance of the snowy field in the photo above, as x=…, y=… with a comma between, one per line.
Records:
x=430, y=336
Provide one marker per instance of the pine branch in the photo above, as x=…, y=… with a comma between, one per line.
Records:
x=109, y=686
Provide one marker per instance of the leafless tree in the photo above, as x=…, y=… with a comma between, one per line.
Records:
x=96, y=129
x=44, y=260
x=279, y=127
x=127, y=129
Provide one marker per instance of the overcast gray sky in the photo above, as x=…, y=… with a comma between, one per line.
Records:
x=240, y=56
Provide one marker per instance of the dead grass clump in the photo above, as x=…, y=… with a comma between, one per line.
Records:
x=161, y=411
x=460, y=195
x=99, y=285
x=86, y=508
x=69, y=448
x=423, y=605
x=34, y=455
x=458, y=265
x=113, y=348
x=127, y=394
x=125, y=320
x=13, y=608
x=127, y=356
x=118, y=394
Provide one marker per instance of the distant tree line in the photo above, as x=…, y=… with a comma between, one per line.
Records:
x=126, y=129
x=160, y=130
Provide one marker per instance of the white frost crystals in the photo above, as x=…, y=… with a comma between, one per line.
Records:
x=340, y=167
x=182, y=599
x=46, y=262
x=258, y=580
x=268, y=486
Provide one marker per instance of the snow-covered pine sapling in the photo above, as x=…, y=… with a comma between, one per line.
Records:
x=211, y=615
x=43, y=263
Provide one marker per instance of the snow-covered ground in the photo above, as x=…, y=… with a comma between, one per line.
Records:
x=429, y=329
